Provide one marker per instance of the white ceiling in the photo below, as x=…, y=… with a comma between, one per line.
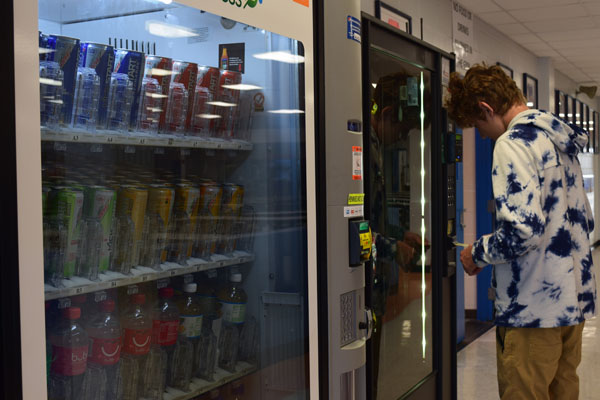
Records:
x=567, y=31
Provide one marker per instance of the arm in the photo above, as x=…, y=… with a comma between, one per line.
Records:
x=519, y=215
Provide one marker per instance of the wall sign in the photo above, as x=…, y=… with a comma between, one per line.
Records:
x=462, y=37
x=357, y=162
x=353, y=28
x=393, y=16
x=232, y=56
x=355, y=199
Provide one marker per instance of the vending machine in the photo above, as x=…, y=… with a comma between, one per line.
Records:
x=164, y=200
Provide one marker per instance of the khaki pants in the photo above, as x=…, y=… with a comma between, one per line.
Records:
x=538, y=363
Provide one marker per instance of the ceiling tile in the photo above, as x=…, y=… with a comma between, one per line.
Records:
x=549, y=13
x=512, y=29
x=523, y=39
x=521, y=4
x=499, y=17
x=480, y=6
x=567, y=44
x=574, y=51
x=562, y=25
x=575, y=34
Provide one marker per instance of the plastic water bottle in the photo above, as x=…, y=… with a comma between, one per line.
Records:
x=165, y=327
x=103, y=376
x=70, y=352
x=137, y=336
x=233, y=301
x=184, y=363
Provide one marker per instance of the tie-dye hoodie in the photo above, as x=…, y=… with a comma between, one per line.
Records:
x=543, y=271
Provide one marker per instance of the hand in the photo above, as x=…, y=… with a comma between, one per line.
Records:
x=414, y=240
x=466, y=258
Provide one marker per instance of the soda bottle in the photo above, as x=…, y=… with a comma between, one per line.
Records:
x=137, y=335
x=165, y=326
x=184, y=363
x=103, y=376
x=233, y=301
x=69, y=350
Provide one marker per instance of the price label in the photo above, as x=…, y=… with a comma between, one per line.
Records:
x=78, y=290
x=109, y=139
x=170, y=142
x=75, y=138
x=132, y=289
x=113, y=284
x=161, y=283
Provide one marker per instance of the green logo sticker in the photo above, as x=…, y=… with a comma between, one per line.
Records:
x=249, y=3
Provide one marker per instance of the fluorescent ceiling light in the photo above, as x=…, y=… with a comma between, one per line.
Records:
x=161, y=72
x=242, y=86
x=156, y=95
x=55, y=101
x=221, y=104
x=45, y=51
x=208, y=116
x=529, y=104
x=374, y=85
x=281, y=56
x=285, y=111
x=166, y=1
x=154, y=109
x=51, y=82
x=158, y=28
x=561, y=115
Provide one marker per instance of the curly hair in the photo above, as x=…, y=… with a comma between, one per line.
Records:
x=481, y=83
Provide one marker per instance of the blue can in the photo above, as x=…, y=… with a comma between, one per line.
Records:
x=100, y=57
x=65, y=51
x=131, y=63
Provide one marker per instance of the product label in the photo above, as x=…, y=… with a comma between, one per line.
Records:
x=105, y=351
x=357, y=163
x=137, y=341
x=69, y=361
x=234, y=313
x=191, y=326
x=164, y=333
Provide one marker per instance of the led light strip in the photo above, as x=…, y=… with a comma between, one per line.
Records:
x=423, y=285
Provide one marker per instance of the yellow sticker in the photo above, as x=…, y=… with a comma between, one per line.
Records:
x=356, y=199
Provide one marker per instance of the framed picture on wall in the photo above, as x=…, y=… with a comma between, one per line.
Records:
x=594, y=132
x=585, y=120
x=393, y=16
x=508, y=70
x=530, y=90
x=560, y=105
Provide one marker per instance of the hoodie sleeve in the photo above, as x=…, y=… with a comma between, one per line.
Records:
x=520, y=220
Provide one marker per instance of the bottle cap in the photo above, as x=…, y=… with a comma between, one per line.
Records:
x=138, y=298
x=190, y=288
x=107, y=305
x=236, y=277
x=166, y=292
x=72, y=313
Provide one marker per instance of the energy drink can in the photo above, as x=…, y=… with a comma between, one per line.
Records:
x=183, y=222
x=131, y=63
x=65, y=51
x=100, y=57
x=120, y=100
x=85, y=100
x=128, y=228
x=99, y=204
x=209, y=210
x=151, y=103
x=231, y=207
x=161, y=69
x=186, y=73
x=51, y=93
x=229, y=97
x=177, y=109
x=158, y=215
x=202, y=112
x=65, y=211
x=208, y=78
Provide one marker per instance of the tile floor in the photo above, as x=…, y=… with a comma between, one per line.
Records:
x=477, y=362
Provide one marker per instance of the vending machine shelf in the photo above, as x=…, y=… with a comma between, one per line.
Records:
x=110, y=279
x=199, y=386
x=133, y=139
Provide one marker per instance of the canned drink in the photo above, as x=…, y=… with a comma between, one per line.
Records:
x=120, y=100
x=208, y=78
x=183, y=222
x=209, y=210
x=131, y=63
x=65, y=51
x=186, y=73
x=100, y=57
x=245, y=114
x=150, y=106
x=51, y=93
x=161, y=69
x=85, y=100
x=65, y=211
x=176, y=109
x=202, y=112
x=156, y=225
x=43, y=46
x=128, y=228
x=231, y=207
x=99, y=204
x=229, y=96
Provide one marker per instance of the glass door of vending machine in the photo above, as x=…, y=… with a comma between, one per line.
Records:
x=172, y=145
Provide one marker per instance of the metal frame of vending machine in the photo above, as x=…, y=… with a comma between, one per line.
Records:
x=443, y=148
x=22, y=259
